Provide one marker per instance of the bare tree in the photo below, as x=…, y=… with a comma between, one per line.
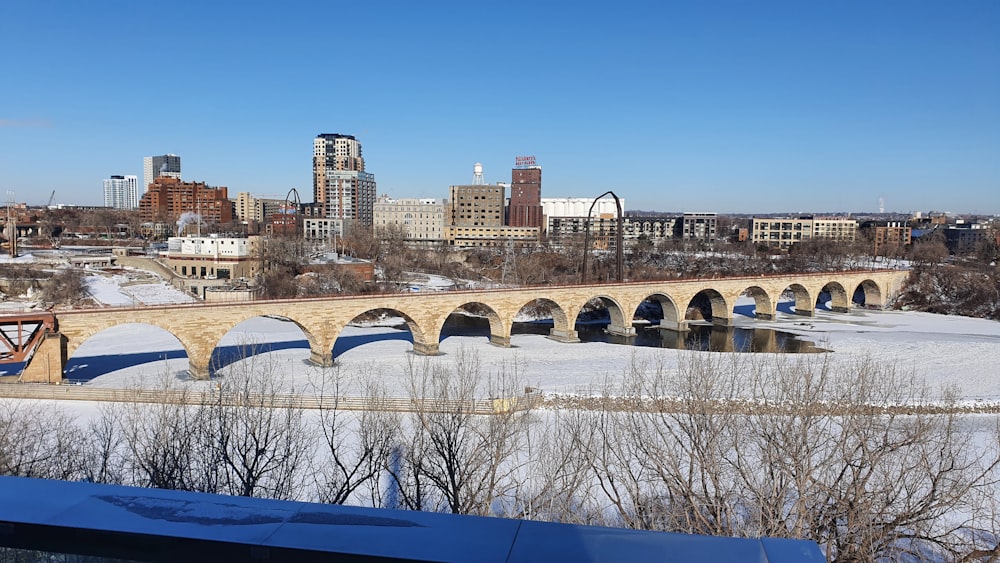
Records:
x=104, y=460
x=455, y=459
x=357, y=445
x=39, y=441
x=795, y=448
x=66, y=286
x=165, y=443
x=558, y=453
x=257, y=434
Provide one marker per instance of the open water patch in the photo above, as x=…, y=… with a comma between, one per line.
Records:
x=701, y=336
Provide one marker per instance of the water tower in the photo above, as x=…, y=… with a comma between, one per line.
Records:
x=477, y=175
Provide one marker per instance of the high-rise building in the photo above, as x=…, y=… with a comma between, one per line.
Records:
x=168, y=165
x=341, y=186
x=525, y=207
x=121, y=192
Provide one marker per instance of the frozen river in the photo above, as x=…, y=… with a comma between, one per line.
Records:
x=945, y=351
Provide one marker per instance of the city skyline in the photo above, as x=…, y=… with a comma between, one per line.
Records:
x=728, y=107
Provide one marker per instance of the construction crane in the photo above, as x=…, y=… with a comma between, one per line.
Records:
x=51, y=199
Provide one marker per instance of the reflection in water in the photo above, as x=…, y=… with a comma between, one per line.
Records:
x=706, y=338
x=702, y=337
x=725, y=339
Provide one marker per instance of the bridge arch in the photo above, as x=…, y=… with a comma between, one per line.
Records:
x=339, y=343
x=868, y=294
x=225, y=353
x=672, y=316
x=764, y=306
x=719, y=310
x=803, y=302
x=619, y=325
x=74, y=369
x=499, y=328
x=561, y=327
x=840, y=301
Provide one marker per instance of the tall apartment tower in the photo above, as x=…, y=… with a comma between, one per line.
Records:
x=341, y=186
x=121, y=192
x=153, y=167
x=525, y=207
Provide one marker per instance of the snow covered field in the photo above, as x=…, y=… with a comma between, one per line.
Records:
x=125, y=290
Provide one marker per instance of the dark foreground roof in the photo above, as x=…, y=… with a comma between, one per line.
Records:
x=160, y=525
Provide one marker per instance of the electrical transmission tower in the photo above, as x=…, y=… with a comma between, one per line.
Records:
x=509, y=262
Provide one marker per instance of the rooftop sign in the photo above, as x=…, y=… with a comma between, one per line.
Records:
x=524, y=161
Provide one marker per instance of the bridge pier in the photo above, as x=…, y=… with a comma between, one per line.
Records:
x=674, y=326
x=836, y=309
x=48, y=361
x=198, y=369
x=722, y=321
x=805, y=312
x=763, y=316
x=321, y=359
x=626, y=331
x=567, y=336
x=422, y=349
x=501, y=341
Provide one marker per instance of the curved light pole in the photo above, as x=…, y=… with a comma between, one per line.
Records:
x=619, y=251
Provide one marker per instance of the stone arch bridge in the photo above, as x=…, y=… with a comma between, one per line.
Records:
x=199, y=328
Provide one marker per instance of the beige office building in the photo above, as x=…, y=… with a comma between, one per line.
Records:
x=423, y=220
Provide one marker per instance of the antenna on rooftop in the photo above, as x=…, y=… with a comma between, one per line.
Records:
x=477, y=175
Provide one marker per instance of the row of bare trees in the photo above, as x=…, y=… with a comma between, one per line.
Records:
x=866, y=483
x=64, y=286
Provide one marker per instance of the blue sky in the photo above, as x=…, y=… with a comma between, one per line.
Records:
x=720, y=106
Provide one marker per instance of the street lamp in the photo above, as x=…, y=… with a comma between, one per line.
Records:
x=619, y=247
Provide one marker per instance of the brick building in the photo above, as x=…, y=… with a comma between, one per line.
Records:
x=891, y=237
x=525, y=207
x=167, y=199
